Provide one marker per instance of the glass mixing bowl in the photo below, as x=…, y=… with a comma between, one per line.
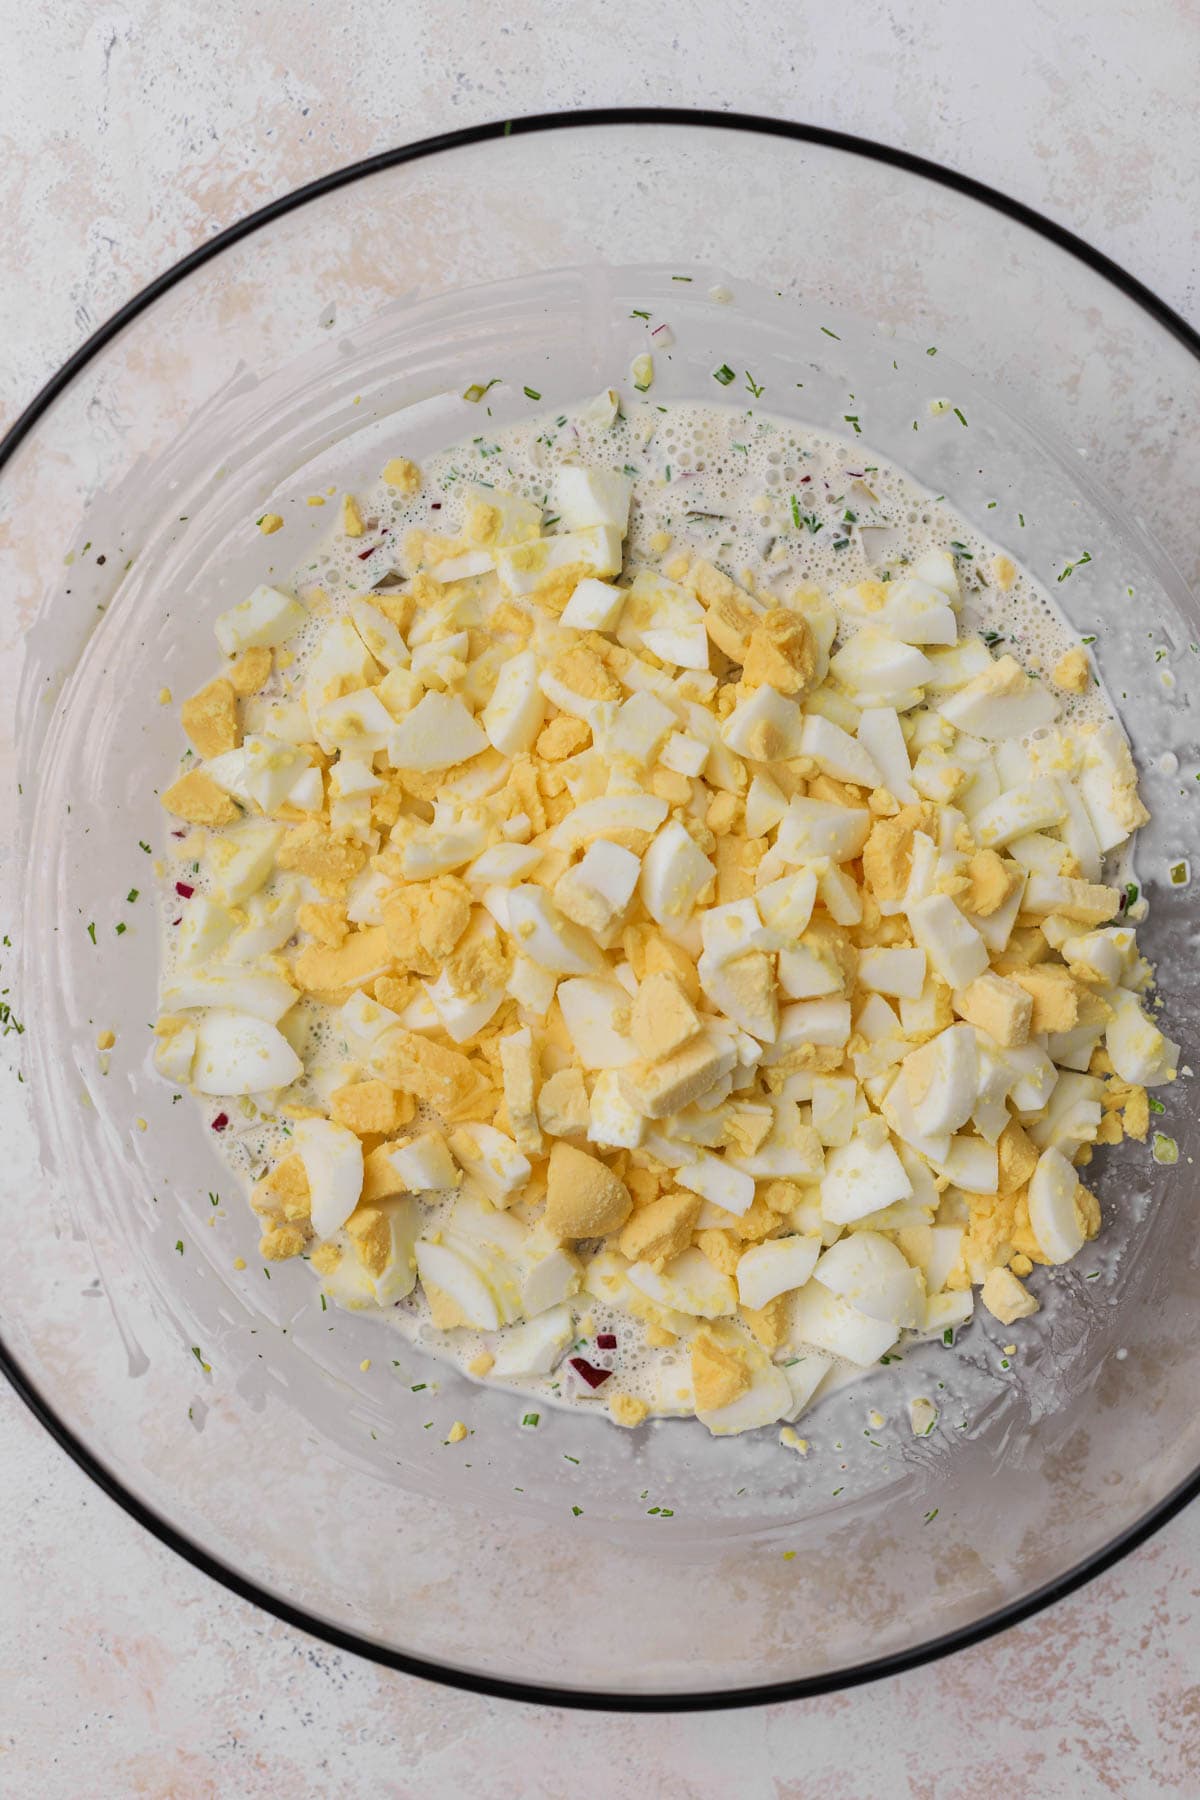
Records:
x=575, y=1563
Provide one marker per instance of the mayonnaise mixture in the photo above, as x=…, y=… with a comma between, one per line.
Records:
x=643, y=913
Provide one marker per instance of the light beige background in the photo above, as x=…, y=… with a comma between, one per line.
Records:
x=128, y=133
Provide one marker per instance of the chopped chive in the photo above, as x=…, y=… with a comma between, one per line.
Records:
x=959, y=415
x=948, y=1335
x=91, y=930
x=832, y=334
x=1164, y=1149
x=131, y=896
x=1070, y=568
x=1156, y=1106
x=122, y=927
x=578, y=1510
x=532, y=1419
x=532, y=394
x=852, y=419
x=638, y=314
x=931, y=1516
x=754, y=386
x=724, y=375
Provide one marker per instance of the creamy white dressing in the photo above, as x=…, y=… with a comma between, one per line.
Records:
x=751, y=493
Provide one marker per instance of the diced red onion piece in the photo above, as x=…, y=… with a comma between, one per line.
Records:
x=183, y=890
x=589, y=1372
x=220, y=1122
x=606, y=1340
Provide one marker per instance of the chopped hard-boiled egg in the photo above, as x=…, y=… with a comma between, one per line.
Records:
x=618, y=948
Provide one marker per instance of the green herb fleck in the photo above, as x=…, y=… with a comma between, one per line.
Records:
x=207, y=1367
x=532, y=394
x=724, y=375
x=478, y=389
x=324, y=1306
x=1131, y=894
x=1165, y=1150
x=570, y=1459
x=121, y=928
x=1070, y=568
x=931, y=1516
x=578, y=1511
x=142, y=846
x=638, y=314
x=179, y=1245
x=91, y=930
x=532, y=1419
x=832, y=334
x=960, y=415
x=852, y=419
x=755, y=387
x=932, y=350
x=1156, y=1106
x=131, y=896
x=948, y=1335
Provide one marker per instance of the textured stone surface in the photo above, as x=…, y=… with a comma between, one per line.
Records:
x=129, y=133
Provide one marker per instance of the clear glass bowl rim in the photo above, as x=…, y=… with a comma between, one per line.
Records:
x=767, y=1693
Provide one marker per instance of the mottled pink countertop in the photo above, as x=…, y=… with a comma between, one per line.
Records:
x=130, y=133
